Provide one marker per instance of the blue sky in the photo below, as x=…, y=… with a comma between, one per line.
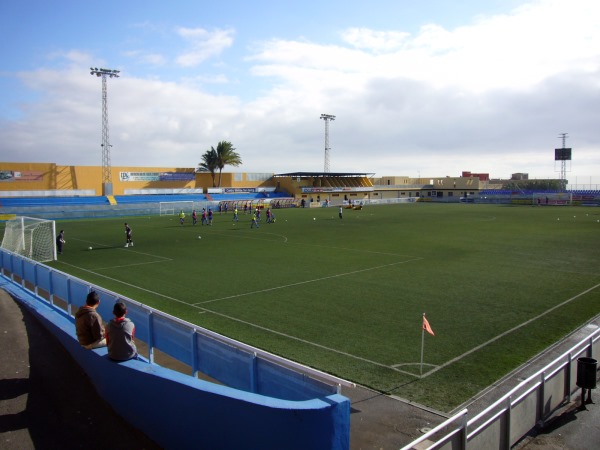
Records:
x=426, y=88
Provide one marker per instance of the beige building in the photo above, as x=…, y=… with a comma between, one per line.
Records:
x=49, y=179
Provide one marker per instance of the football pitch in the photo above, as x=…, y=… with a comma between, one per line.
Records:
x=498, y=283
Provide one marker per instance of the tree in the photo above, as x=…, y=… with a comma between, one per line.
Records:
x=226, y=156
x=209, y=163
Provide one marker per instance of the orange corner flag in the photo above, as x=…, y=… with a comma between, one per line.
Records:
x=427, y=327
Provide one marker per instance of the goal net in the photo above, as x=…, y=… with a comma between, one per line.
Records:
x=552, y=199
x=172, y=208
x=30, y=237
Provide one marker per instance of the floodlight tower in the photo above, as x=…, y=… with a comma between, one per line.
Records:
x=563, y=161
x=106, y=167
x=327, y=118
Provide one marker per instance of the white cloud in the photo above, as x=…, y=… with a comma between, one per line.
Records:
x=376, y=41
x=489, y=96
x=204, y=44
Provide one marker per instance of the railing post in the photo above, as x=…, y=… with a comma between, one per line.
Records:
x=194, y=345
x=508, y=417
x=568, y=377
x=35, y=279
x=541, y=399
x=23, y=272
x=464, y=437
x=51, y=288
x=253, y=371
x=151, y=337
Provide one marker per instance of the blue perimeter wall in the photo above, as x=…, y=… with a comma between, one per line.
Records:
x=178, y=411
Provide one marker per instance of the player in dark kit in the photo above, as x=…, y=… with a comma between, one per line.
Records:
x=60, y=241
x=129, y=240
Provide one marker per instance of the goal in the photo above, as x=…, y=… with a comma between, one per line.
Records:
x=30, y=237
x=552, y=199
x=172, y=208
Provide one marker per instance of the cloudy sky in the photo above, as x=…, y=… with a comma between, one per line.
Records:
x=427, y=88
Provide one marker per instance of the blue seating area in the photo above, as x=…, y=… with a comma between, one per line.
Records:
x=122, y=199
x=8, y=202
x=241, y=196
x=531, y=192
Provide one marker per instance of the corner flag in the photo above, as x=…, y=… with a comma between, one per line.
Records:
x=427, y=327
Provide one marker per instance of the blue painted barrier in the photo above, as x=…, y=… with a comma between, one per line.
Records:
x=262, y=404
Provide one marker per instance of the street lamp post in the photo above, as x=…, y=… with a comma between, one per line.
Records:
x=107, y=188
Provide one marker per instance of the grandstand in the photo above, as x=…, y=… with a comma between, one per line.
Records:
x=540, y=197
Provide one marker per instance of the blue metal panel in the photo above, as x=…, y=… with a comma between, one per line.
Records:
x=60, y=286
x=229, y=365
x=29, y=271
x=43, y=277
x=173, y=338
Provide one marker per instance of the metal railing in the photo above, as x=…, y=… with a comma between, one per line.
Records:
x=231, y=362
x=506, y=421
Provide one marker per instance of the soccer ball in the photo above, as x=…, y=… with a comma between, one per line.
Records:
x=314, y=218
x=89, y=248
x=199, y=237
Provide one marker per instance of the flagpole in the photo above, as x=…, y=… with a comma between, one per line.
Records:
x=422, y=345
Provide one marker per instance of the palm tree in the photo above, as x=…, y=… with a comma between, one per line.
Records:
x=209, y=163
x=226, y=156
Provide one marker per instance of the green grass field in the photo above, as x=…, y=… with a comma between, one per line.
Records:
x=498, y=283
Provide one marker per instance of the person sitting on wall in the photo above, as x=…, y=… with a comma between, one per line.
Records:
x=88, y=323
x=120, y=335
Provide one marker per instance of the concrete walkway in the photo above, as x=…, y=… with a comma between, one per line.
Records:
x=47, y=402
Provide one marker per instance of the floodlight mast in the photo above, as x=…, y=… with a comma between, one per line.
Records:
x=563, y=164
x=327, y=118
x=106, y=166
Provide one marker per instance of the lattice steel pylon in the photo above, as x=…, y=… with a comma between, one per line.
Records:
x=106, y=166
x=563, y=164
x=327, y=118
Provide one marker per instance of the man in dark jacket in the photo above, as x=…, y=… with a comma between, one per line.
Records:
x=88, y=323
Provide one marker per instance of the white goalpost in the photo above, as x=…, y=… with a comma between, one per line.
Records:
x=552, y=199
x=33, y=238
x=173, y=208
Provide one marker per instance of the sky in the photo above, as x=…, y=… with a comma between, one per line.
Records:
x=420, y=89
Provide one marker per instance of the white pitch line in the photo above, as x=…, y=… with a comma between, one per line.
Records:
x=304, y=341
x=458, y=358
x=158, y=294
x=202, y=310
x=299, y=283
x=132, y=265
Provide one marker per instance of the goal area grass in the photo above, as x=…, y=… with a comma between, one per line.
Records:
x=498, y=284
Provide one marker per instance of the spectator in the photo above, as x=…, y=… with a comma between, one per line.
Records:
x=88, y=323
x=120, y=335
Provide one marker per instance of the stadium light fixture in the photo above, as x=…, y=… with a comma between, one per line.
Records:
x=106, y=166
